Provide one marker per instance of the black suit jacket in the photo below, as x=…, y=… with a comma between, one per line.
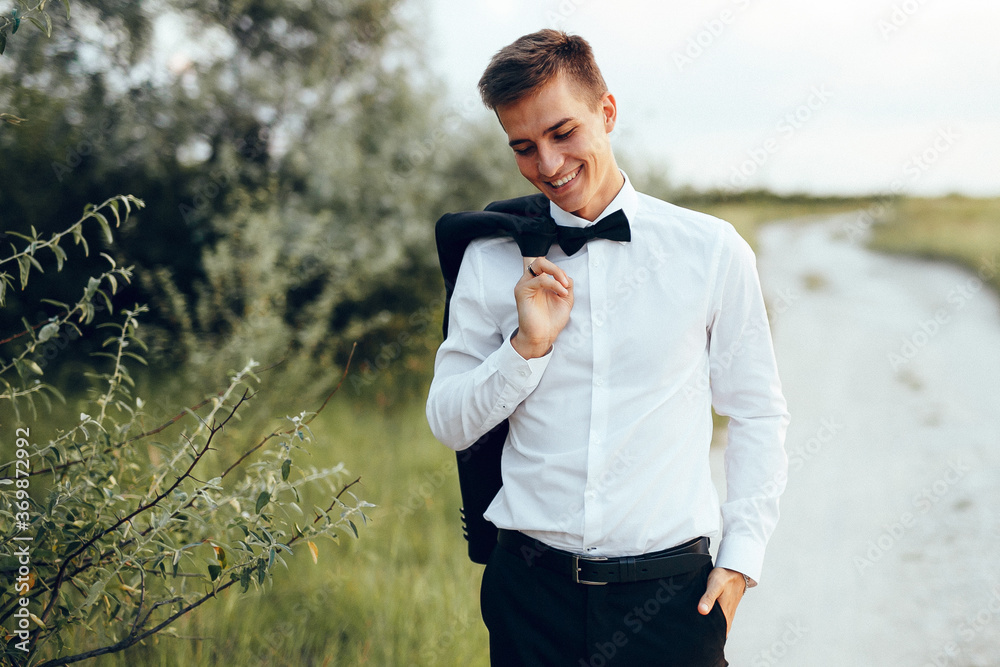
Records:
x=527, y=221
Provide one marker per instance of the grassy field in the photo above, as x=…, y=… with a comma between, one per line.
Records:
x=958, y=229
x=405, y=593
x=747, y=216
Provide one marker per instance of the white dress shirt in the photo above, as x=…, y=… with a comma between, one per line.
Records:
x=607, y=453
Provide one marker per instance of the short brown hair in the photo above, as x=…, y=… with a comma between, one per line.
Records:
x=533, y=60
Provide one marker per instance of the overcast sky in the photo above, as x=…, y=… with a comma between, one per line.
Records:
x=854, y=96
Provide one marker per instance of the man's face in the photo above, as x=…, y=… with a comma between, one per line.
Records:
x=561, y=144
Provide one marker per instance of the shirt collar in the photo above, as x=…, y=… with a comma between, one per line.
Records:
x=626, y=200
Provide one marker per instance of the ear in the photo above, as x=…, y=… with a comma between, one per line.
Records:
x=609, y=109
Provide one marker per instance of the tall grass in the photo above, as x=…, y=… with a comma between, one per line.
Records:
x=405, y=593
x=954, y=228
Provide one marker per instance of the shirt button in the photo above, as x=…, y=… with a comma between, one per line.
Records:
x=599, y=381
x=597, y=263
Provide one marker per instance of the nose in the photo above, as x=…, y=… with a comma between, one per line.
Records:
x=550, y=161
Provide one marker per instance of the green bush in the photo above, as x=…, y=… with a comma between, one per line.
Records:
x=115, y=527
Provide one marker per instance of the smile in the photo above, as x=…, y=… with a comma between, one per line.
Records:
x=563, y=181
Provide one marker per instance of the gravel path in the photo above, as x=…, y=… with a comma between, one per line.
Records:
x=888, y=548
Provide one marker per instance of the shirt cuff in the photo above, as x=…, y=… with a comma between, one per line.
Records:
x=742, y=554
x=520, y=377
x=516, y=368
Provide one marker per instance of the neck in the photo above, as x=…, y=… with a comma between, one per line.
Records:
x=607, y=195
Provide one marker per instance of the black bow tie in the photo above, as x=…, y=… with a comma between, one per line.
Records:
x=613, y=227
x=534, y=235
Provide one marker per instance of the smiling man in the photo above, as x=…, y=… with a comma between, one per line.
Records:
x=606, y=356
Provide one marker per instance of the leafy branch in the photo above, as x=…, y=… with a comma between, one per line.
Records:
x=37, y=15
x=26, y=259
x=96, y=296
x=124, y=514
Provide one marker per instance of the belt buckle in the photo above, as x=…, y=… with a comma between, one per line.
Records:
x=576, y=569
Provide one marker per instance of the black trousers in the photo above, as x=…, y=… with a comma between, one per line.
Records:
x=538, y=617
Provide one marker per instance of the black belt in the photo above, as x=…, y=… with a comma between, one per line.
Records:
x=597, y=571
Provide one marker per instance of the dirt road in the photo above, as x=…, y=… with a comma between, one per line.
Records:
x=888, y=548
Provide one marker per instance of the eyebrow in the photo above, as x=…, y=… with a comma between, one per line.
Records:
x=555, y=127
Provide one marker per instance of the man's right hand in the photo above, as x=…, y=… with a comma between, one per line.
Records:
x=543, y=304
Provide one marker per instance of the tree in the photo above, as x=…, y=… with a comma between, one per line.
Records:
x=290, y=154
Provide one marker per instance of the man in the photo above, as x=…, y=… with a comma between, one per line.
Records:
x=606, y=361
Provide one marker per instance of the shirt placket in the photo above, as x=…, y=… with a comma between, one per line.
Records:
x=593, y=516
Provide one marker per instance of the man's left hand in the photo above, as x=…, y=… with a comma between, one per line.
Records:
x=726, y=587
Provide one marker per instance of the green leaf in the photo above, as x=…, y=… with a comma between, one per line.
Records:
x=214, y=571
x=106, y=226
x=286, y=468
x=353, y=527
x=48, y=24
x=262, y=500
x=3, y=42
x=245, y=579
x=95, y=590
x=91, y=290
x=24, y=264
x=60, y=256
x=48, y=331
x=32, y=366
x=66, y=2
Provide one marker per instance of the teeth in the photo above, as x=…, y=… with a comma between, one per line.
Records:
x=564, y=181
